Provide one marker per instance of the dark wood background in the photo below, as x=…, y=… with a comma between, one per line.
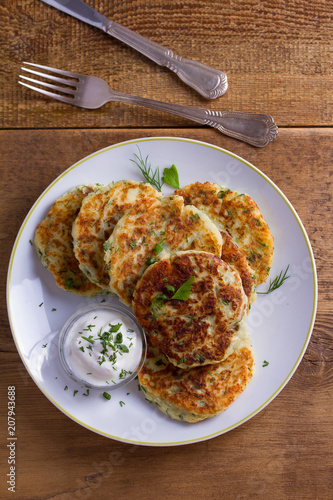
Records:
x=278, y=56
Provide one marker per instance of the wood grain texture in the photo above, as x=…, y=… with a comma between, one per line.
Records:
x=284, y=452
x=277, y=56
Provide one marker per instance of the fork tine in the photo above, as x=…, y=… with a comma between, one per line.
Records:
x=49, y=85
x=54, y=70
x=50, y=77
x=59, y=97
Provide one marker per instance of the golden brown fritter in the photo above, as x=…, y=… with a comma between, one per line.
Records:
x=201, y=327
x=237, y=214
x=236, y=259
x=143, y=236
x=98, y=216
x=199, y=393
x=54, y=243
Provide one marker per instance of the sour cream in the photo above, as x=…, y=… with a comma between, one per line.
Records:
x=102, y=346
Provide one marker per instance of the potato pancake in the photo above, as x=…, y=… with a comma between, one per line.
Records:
x=54, y=243
x=235, y=258
x=199, y=393
x=201, y=326
x=143, y=236
x=237, y=214
x=96, y=220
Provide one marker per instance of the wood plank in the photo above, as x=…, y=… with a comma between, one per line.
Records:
x=277, y=56
x=283, y=452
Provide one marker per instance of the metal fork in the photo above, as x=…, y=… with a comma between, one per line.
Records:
x=91, y=92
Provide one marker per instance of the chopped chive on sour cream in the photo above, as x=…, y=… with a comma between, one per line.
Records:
x=102, y=347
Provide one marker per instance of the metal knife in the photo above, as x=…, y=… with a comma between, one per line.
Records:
x=209, y=82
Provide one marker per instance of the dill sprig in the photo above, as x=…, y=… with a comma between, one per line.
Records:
x=151, y=176
x=277, y=282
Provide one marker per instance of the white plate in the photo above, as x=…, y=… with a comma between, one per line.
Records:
x=280, y=323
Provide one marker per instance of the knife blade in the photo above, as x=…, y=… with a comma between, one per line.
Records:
x=209, y=82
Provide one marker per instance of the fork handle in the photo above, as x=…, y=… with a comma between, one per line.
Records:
x=254, y=128
x=209, y=82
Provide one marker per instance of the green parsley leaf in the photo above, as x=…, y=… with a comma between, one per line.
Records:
x=123, y=348
x=119, y=338
x=115, y=328
x=158, y=301
x=170, y=177
x=184, y=291
x=159, y=247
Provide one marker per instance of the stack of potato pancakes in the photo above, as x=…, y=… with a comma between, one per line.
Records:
x=187, y=264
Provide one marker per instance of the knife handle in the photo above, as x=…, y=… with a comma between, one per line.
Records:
x=257, y=129
x=209, y=82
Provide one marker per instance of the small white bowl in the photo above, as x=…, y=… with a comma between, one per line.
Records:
x=117, y=309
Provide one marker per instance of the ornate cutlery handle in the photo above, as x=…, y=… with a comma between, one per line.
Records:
x=255, y=129
x=209, y=82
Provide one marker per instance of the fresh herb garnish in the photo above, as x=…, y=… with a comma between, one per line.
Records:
x=195, y=217
x=158, y=301
x=150, y=261
x=115, y=328
x=123, y=348
x=112, y=342
x=170, y=177
x=277, y=282
x=184, y=291
x=119, y=338
x=88, y=339
x=151, y=176
x=106, y=395
x=70, y=283
x=159, y=247
x=123, y=374
x=265, y=363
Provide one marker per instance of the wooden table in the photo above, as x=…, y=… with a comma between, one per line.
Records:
x=278, y=57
